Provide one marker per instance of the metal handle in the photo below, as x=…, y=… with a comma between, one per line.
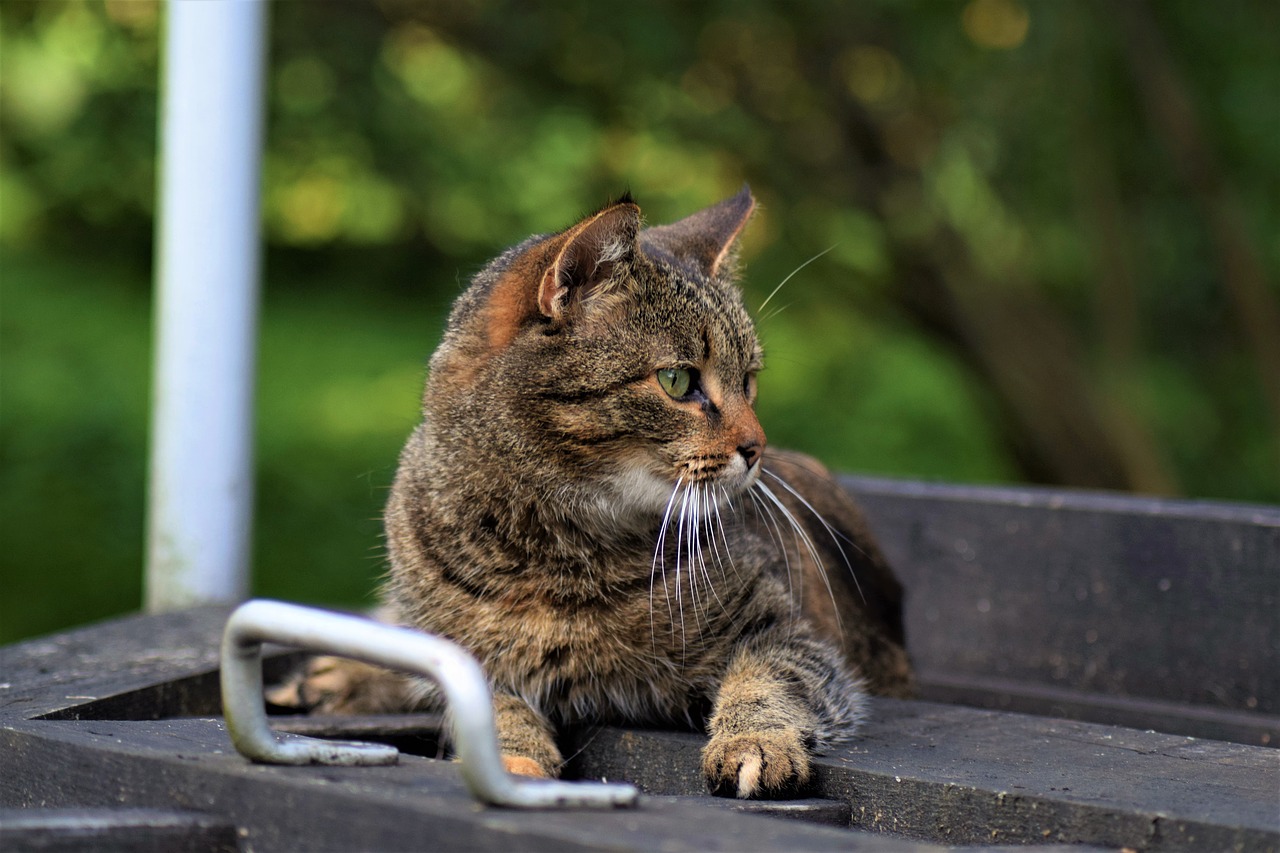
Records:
x=458, y=674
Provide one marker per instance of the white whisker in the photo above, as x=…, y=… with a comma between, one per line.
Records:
x=704, y=520
x=680, y=539
x=765, y=318
x=793, y=272
x=728, y=550
x=803, y=537
x=659, y=558
x=770, y=520
x=691, y=541
x=699, y=564
x=835, y=536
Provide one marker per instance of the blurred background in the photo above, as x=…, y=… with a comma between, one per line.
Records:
x=1050, y=236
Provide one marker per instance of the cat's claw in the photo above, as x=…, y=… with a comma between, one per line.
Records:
x=756, y=763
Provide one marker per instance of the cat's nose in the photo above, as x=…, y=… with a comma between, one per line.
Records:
x=751, y=452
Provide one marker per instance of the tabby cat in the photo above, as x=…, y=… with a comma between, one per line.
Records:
x=589, y=508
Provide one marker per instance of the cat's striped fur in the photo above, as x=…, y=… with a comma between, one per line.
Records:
x=611, y=552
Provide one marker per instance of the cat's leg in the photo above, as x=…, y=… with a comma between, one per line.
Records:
x=782, y=695
x=336, y=685
x=525, y=738
x=328, y=684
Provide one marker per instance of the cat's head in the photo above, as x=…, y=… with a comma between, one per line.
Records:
x=607, y=364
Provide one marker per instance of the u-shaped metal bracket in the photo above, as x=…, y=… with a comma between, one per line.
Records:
x=459, y=675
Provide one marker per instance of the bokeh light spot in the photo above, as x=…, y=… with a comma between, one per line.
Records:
x=996, y=24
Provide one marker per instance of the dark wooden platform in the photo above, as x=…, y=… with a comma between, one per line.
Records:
x=1158, y=615
x=1140, y=612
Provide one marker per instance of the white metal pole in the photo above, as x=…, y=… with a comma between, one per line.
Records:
x=207, y=260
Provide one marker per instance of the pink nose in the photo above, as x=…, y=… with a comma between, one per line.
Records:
x=751, y=452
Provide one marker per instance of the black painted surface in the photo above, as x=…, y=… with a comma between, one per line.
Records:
x=1100, y=595
x=964, y=776
x=108, y=830
x=418, y=804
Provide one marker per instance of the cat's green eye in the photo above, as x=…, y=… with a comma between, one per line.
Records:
x=675, y=381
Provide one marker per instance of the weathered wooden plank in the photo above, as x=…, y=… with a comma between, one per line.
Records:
x=1173, y=601
x=418, y=804
x=114, y=830
x=1003, y=694
x=1026, y=776
x=960, y=775
x=120, y=656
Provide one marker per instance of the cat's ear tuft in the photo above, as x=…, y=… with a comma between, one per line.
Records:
x=587, y=257
x=704, y=239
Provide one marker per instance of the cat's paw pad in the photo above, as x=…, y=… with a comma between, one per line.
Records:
x=524, y=766
x=755, y=763
x=334, y=685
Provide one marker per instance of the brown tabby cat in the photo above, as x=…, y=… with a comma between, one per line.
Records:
x=588, y=508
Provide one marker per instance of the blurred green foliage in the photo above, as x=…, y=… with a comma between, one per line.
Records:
x=1042, y=240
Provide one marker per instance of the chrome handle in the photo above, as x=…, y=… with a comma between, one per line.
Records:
x=459, y=675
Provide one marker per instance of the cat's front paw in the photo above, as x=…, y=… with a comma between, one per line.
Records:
x=334, y=685
x=752, y=764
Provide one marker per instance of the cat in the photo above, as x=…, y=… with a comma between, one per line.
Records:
x=588, y=507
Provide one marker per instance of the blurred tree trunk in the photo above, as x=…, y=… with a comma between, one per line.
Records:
x=1116, y=309
x=1031, y=360
x=1116, y=280
x=1165, y=96
x=1010, y=334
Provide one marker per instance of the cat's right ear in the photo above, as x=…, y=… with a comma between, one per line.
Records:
x=705, y=240
x=586, y=256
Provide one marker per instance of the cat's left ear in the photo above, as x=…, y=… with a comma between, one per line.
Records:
x=587, y=256
x=704, y=240
x=551, y=276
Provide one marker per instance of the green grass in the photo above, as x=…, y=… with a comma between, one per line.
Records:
x=339, y=380
x=340, y=374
